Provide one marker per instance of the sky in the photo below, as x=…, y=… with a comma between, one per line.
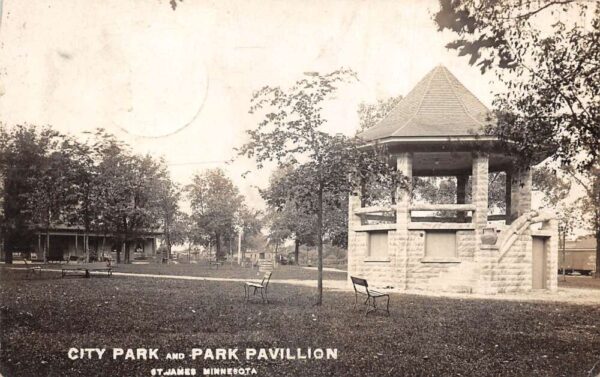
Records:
x=178, y=83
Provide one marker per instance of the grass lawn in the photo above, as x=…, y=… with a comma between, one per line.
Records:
x=578, y=282
x=45, y=316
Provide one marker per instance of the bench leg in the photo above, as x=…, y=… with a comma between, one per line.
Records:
x=87, y=273
x=387, y=306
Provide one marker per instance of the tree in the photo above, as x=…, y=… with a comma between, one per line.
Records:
x=128, y=192
x=589, y=204
x=250, y=223
x=37, y=183
x=287, y=218
x=289, y=133
x=54, y=189
x=86, y=185
x=558, y=195
x=173, y=221
x=215, y=203
x=371, y=114
x=551, y=68
x=113, y=161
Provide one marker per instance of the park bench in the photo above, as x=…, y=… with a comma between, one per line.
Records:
x=31, y=268
x=361, y=287
x=86, y=269
x=74, y=258
x=214, y=263
x=262, y=287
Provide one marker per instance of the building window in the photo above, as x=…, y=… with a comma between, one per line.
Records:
x=378, y=245
x=440, y=245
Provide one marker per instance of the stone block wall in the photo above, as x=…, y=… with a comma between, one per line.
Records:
x=513, y=271
x=448, y=277
x=380, y=272
x=480, y=270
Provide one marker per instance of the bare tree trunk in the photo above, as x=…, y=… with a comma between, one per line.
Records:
x=297, y=251
x=320, y=246
x=218, y=246
x=127, y=252
x=8, y=255
x=86, y=249
x=564, y=253
x=168, y=242
x=597, y=273
x=596, y=222
x=119, y=251
x=47, y=245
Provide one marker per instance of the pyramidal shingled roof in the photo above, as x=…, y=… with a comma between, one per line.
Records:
x=439, y=105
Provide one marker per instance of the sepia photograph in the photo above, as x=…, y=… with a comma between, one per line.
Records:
x=299, y=188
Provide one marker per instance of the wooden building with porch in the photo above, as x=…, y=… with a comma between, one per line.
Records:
x=437, y=130
x=67, y=241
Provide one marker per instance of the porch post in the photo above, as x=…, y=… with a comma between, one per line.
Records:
x=461, y=195
x=521, y=192
x=484, y=256
x=404, y=164
x=480, y=192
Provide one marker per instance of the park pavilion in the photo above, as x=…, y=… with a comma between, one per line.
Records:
x=437, y=130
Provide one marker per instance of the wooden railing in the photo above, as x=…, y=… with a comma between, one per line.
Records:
x=442, y=207
x=374, y=209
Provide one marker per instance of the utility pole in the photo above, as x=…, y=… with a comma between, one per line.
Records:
x=240, y=246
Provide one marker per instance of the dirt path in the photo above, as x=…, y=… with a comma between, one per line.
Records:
x=581, y=296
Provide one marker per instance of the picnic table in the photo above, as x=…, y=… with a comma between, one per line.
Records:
x=214, y=263
x=86, y=269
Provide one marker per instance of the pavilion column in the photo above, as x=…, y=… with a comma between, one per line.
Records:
x=461, y=195
x=484, y=256
x=520, y=202
x=521, y=205
x=404, y=164
x=480, y=191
